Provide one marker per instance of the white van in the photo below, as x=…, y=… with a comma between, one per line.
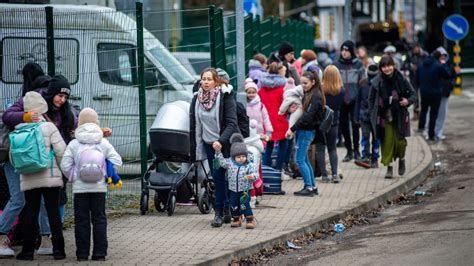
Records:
x=95, y=48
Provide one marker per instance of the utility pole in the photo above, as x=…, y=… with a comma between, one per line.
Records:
x=240, y=37
x=347, y=20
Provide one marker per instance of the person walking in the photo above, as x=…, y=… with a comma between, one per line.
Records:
x=332, y=89
x=429, y=78
x=44, y=183
x=352, y=73
x=89, y=148
x=389, y=98
x=313, y=109
x=213, y=119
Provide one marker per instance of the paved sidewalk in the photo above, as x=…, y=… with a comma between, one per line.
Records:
x=188, y=238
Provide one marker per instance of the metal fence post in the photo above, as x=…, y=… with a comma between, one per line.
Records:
x=50, y=40
x=141, y=87
x=240, y=42
x=249, y=41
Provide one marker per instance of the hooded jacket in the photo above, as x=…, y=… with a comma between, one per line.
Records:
x=353, y=74
x=429, y=77
x=88, y=133
x=236, y=174
x=256, y=70
x=271, y=95
x=50, y=177
x=257, y=111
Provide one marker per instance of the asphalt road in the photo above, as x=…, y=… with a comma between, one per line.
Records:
x=429, y=230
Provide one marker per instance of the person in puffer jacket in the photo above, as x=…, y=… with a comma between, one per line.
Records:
x=89, y=197
x=257, y=67
x=46, y=183
x=353, y=75
x=241, y=173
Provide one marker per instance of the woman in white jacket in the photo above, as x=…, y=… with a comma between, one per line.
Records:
x=89, y=197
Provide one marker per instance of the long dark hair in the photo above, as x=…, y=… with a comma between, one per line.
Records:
x=316, y=89
x=30, y=72
x=65, y=115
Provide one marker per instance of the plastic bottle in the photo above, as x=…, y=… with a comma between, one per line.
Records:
x=339, y=228
x=421, y=193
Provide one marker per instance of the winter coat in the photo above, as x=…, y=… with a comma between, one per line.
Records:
x=429, y=77
x=271, y=95
x=292, y=96
x=312, y=116
x=353, y=74
x=88, y=133
x=47, y=177
x=335, y=103
x=257, y=111
x=403, y=118
x=256, y=70
x=412, y=62
x=362, y=111
x=447, y=84
x=227, y=114
x=236, y=174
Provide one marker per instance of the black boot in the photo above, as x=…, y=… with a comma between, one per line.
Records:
x=389, y=174
x=25, y=255
x=227, y=216
x=58, y=248
x=401, y=167
x=217, y=222
x=288, y=170
x=349, y=156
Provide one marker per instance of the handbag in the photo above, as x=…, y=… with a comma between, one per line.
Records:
x=328, y=117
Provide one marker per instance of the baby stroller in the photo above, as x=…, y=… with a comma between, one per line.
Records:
x=169, y=140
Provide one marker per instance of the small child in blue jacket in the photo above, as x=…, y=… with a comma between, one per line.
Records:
x=241, y=172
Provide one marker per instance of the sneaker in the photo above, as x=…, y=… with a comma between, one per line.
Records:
x=401, y=167
x=5, y=250
x=227, y=216
x=336, y=179
x=315, y=191
x=325, y=179
x=296, y=193
x=284, y=176
x=349, y=156
x=236, y=222
x=46, y=247
x=305, y=193
x=442, y=137
x=98, y=258
x=365, y=163
x=374, y=164
x=288, y=171
x=389, y=174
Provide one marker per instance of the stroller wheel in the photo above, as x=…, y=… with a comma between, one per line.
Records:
x=171, y=204
x=204, y=203
x=160, y=204
x=143, y=203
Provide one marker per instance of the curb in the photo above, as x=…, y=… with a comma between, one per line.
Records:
x=417, y=176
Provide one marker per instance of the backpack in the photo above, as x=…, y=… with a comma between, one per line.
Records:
x=243, y=120
x=90, y=163
x=326, y=123
x=4, y=140
x=28, y=151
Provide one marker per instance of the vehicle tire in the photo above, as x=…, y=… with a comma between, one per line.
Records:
x=204, y=202
x=171, y=205
x=160, y=205
x=143, y=203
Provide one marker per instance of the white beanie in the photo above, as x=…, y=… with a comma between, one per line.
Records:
x=88, y=115
x=34, y=102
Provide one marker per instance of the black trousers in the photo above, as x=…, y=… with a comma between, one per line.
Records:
x=90, y=207
x=31, y=212
x=431, y=102
x=347, y=120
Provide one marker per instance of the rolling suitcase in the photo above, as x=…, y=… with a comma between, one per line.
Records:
x=271, y=181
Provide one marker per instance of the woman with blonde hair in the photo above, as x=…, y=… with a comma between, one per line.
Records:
x=331, y=85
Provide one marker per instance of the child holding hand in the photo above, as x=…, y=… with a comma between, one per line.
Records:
x=241, y=173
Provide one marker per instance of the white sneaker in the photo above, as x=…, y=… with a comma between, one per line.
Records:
x=5, y=250
x=46, y=247
x=285, y=177
x=253, y=201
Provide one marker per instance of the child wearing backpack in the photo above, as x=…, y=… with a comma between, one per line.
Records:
x=84, y=163
x=39, y=174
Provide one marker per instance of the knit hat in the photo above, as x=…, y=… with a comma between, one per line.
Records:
x=237, y=146
x=285, y=48
x=34, y=102
x=350, y=46
x=390, y=49
x=58, y=84
x=250, y=84
x=372, y=70
x=223, y=74
x=88, y=115
x=308, y=55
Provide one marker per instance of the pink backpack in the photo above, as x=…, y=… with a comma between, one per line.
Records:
x=90, y=163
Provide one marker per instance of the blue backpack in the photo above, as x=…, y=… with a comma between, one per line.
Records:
x=27, y=150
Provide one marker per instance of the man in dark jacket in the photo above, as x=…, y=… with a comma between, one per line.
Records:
x=415, y=57
x=429, y=78
x=353, y=75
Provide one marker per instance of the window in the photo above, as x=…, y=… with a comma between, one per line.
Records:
x=117, y=63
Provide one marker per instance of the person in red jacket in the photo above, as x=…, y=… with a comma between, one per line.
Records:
x=271, y=95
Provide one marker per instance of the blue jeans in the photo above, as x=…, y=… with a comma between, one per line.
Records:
x=43, y=219
x=15, y=203
x=281, y=155
x=237, y=208
x=303, y=140
x=220, y=182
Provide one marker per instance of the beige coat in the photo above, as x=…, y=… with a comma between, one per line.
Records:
x=52, y=138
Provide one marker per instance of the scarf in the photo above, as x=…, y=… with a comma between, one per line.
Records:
x=254, y=101
x=208, y=98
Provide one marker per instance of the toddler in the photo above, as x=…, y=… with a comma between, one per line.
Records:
x=292, y=103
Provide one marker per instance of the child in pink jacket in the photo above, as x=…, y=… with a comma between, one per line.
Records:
x=257, y=111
